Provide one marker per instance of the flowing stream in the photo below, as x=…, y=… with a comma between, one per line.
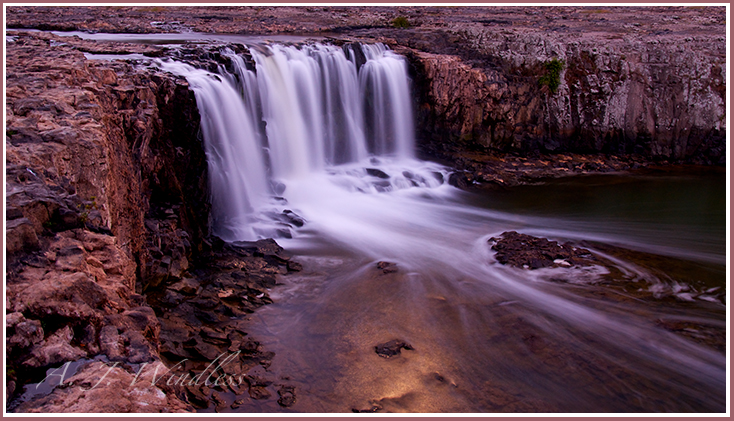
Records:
x=314, y=145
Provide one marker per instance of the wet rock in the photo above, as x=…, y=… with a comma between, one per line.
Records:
x=387, y=267
x=286, y=396
x=206, y=350
x=525, y=251
x=22, y=333
x=712, y=336
x=260, y=248
x=294, y=266
x=249, y=347
x=55, y=349
x=374, y=172
x=294, y=218
x=392, y=348
x=220, y=401
x=372, y=409
x=99, y=387
x=460, y=180
x=259, y=393
x=137, y=348
x=110, y=343
x=215, y=337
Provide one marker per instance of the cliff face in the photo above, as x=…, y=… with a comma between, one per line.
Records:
x=104, y=190
x=661, y=99
x=110, y=262
x=630, y=80
x=107, y=186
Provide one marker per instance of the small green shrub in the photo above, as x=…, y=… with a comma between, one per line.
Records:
x=552, y=77
x=401, y=22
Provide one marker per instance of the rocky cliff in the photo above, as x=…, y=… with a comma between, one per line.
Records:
x=109, y=259
x=111, y=267
x=94, y=161
x=649, y=81
x=661, y=98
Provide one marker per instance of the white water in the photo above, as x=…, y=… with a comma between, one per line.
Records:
x=337, y=149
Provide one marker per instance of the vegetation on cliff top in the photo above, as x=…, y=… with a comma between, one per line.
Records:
x=401, y=22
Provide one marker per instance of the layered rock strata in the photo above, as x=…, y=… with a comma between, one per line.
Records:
x=106, y=204
x=634, y=83
x=663, y=99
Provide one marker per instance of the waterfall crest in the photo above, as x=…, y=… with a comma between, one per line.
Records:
x=302, y=111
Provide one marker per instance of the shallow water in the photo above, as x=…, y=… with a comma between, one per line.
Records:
x=485, y=337
x=489, y=337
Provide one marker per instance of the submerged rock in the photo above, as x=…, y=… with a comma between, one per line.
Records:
x=392, y=348
x=286, y=396
x=374, y=172
x=387, y=267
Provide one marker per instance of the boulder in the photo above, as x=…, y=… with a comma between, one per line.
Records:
x=108, y=388
x=526, y=251
x=392, y=348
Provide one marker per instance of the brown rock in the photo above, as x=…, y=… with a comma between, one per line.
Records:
x=20, y=235
x=54, y=350
x=99, y=387
x=22, y=333
x=525, y=251
x=392, y=348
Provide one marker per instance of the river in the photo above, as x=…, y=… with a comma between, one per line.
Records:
x=324, y=135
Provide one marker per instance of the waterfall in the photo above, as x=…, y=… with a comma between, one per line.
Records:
x=320, y=110
x=326, y=133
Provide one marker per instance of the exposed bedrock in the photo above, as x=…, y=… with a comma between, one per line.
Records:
x=661, y=99
x=106, y=197
x=649, y=81
x=106, y=179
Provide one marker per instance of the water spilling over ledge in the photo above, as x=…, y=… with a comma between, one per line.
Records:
x=315, y=145
x=300, y=112
x=404, y=301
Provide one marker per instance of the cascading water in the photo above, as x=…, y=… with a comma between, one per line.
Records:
x=337, y=149
x=312, y=100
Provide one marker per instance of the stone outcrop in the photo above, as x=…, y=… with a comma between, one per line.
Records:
x=663, y=99
x=648, y=81
x=526, y=251
x=97, y=152
x=203, y=331
x=110, y=263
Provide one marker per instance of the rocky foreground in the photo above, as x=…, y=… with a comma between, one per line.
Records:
x=110, y=259
x=107, y=220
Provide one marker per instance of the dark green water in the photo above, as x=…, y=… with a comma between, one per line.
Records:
x=679, y=212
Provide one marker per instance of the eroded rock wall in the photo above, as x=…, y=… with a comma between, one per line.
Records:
x=105, y=195
x=661, y=98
